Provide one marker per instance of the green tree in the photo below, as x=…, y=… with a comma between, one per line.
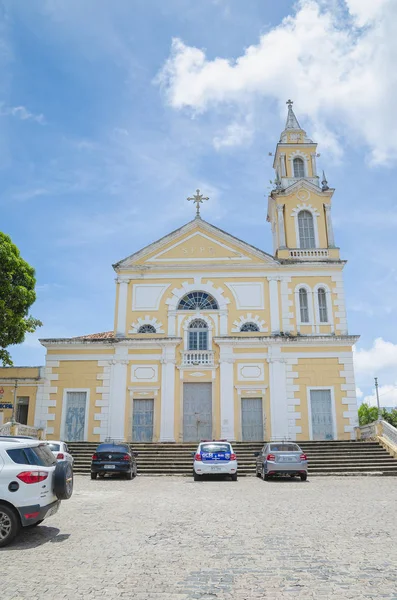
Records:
x=390, y=417
x=17, y=284
x=367, y=414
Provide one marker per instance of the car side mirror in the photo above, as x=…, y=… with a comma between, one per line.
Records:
x=256, y=453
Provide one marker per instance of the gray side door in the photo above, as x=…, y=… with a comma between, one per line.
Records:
x=252, y=419
x=321, y=415
x=75, y=416
x=197, y=411
x=142, y=420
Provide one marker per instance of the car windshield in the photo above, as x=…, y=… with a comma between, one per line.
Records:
x=54, y=447
x=41, y=456
x=113, y=448
x=284, y=448
x=215, y=447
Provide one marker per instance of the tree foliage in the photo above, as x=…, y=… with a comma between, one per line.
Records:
x=17, y=294
x=368, y=414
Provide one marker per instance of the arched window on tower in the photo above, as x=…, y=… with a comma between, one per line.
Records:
x=299, y=167
x=198, y=301
x=303, y=305
x=198, y=335
x=306, y=229
x=322, y=305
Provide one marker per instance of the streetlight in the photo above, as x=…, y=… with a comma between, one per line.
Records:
x=377, y=399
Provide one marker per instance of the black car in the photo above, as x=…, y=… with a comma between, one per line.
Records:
x=113, y=458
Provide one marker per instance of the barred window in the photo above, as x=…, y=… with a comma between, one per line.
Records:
x=299, y=167
x=303, y=306
x=147, y=329
x=198, y=301
x=249, y=327
x=198, y=335
x=306, y=229
x=322, y=305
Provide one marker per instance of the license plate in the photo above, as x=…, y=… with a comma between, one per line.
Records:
x=110, y=466
x=287, y=459
x=216, y=469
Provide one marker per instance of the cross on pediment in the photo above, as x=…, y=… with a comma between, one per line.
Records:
x=197, y=199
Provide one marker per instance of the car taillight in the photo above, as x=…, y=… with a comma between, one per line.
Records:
x=303, y=457
x=95, y=457
x=125, y=457
x=197, y=457
x=32, y=476
x=270, y=457
x=60, y=456
x=233, y=457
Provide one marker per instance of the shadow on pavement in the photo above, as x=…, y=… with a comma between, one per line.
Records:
x=35, y=537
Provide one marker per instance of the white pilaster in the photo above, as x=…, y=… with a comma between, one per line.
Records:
x=118, y=393
x=330, y=229
x=274, y=306
x=226, y=361
x=171, y=322
x=167, y=394
x=287, y=304
x=314, y=167
x=278, y=394
x=223, y=322
x=122, y=307
x=281, y=226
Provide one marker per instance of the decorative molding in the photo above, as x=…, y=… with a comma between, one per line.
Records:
x=295, y=212
x=248, y=318
x=147, y=296
x=146, y=320
x=248, y=295
x=179, y=293
x=144, y=373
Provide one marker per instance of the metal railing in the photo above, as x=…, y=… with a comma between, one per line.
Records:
x=198, y=357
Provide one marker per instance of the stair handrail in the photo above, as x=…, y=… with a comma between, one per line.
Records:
x=389, y=432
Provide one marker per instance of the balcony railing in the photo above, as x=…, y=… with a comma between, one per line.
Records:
x=315, y=254
x=198, y=357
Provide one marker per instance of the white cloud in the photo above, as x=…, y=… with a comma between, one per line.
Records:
x=21, y=112
x=387, y=396
x=235, y=134
x=359, y=393
x=341, y=77
x=382, y=356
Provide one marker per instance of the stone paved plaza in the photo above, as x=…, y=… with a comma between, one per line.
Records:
x=168, y=538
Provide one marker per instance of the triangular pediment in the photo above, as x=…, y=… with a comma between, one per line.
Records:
x=197, y=242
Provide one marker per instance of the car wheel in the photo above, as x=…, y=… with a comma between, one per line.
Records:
x=196, y=477
x=94, y=475
x=264, y=475
x=129, y=475
x=304, y=477
x=234, y=477
x=9, y=524
x=100, y=475
x=63, y=480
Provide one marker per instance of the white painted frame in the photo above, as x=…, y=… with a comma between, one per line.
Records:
x=315, y=214
x=136, y=286
x=309, y=303
x=186, y=326
x=328, y=299
x=87, y=410
x=333, y=408
x=233, y=287
x=304, y=157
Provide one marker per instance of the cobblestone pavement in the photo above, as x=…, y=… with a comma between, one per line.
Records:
x=168, y=538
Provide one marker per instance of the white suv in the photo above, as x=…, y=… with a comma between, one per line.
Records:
x=214, y=458
x=32, y=483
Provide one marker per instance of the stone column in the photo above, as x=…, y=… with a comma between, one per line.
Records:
x=330, y=229
x=278, y=394
x=168, y=362
x=122, y=307
x=314, y=167
x=281, y=226
x=226, y=362
x=282, y=163
x=118, y=394
x=274, y=304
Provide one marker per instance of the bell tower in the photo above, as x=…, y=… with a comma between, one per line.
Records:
x=299, y=207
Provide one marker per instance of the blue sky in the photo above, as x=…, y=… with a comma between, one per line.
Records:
x=111, y=114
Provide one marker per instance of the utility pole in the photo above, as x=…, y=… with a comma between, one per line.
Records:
x=377, y=398
x=14, y=404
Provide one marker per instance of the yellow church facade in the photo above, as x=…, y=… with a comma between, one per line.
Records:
x=214, y=338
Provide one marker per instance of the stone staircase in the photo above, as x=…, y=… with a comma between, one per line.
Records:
x=325, y=458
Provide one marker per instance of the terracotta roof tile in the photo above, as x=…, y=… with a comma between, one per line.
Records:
x=104, y=335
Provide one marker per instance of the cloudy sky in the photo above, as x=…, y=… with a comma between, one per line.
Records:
x=111, y=113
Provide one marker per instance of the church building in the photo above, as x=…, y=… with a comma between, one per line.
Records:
x=215, y=338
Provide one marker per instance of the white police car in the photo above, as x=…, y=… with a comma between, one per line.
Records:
x=214, y=457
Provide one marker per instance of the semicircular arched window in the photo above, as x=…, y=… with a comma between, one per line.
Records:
x=198, y=335
x=249, y=327
x=299, y=168
x=198, y=301
x=147, y=329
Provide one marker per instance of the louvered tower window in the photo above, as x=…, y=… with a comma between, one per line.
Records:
x=299, y=167
x=303, y=305
x=322, y=305
x=306, y=229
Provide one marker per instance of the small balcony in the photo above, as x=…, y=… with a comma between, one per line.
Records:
x=194, y=358
x=311, y=254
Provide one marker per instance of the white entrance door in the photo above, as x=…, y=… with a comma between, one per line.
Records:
x=321, y=415
x=76, y=404
x=252, y=419
x=142, y=420
x=197, y=411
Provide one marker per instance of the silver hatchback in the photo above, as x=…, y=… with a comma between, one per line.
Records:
x=281, y=458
